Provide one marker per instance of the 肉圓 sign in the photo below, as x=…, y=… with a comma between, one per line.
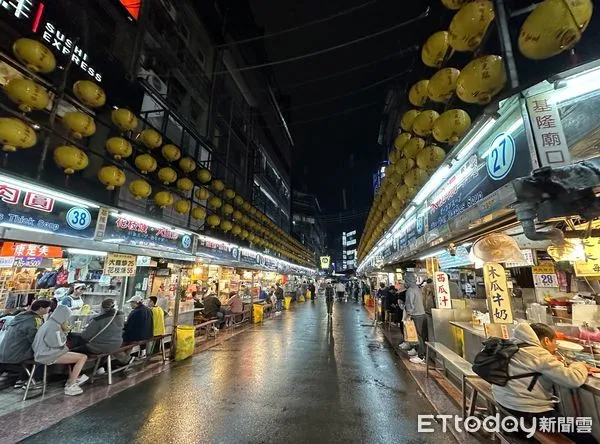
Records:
x=128, y=231
x=478, y=178
x=20, y=207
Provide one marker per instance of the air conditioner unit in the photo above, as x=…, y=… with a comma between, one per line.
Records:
x=154, y=81
x=169, y=5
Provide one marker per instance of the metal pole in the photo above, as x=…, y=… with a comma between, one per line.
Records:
x=175, y=318
x=507, y=49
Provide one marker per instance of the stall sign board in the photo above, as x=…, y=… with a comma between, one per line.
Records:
x=143, y=261
x=32, y=262
x=117, y=264
x=325, y=262
x=7, y=261
x=550, y=140
x=587, y=268
x=496, y=331
x=442, y=290
x=130, y=231
x=32, y=209
x=544, y=275
x=529, y=261
x=29, y=250
x=477, y=178
x=497, y=293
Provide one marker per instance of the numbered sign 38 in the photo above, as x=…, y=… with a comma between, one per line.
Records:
x=501, y=156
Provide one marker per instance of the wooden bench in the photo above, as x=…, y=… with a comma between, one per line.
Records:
x=232, y=322
x=480, y=387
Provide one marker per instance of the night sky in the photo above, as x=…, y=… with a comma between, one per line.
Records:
x=340, y=152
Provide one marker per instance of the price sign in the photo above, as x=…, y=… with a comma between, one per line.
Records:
x=117, y=264
x=501, y=157
x=544, y=275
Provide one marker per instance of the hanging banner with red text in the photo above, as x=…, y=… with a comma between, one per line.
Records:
x=442, y=290
x=498, y=297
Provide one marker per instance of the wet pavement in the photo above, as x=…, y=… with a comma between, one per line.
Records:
x=297, y=378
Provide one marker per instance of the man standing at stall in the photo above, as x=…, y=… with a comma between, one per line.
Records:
x=279, y=296
x=415, y=309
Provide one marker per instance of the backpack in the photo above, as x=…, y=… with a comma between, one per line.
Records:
x=491, y=363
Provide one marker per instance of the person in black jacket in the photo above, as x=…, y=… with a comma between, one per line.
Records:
x=139, y=325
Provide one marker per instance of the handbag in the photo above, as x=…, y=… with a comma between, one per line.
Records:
x=104, y=328
x=410, y=331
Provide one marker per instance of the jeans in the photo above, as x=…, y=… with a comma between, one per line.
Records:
x=421, y=327
x=279, y=306
x=329, y=305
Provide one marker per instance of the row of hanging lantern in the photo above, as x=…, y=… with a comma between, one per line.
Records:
x=16, y=134
x=554, y=26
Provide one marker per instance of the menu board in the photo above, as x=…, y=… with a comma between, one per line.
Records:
x=117, y=264
x=496, y=289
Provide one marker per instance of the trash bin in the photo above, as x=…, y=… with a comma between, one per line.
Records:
x=286, y=302
x=184, y=342
x=257, y=313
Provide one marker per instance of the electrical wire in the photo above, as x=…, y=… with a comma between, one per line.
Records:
x=298, y=27
x=347, y=111
x=331, y=99
x=354, y=68
x=331, y=48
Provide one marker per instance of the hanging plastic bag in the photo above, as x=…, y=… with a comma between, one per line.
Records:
x=410, y=331
x=185, y=342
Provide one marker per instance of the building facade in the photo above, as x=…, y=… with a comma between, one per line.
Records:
x=307, y=226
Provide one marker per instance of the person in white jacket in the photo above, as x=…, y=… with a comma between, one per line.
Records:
x=49, y=347
x=537, y=356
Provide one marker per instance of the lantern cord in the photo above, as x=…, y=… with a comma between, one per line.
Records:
x=298, y=27
x=364, y=88
x=331, y=48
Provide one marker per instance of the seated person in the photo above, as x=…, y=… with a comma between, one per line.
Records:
x=104, y=332
x=139, y=325
x=538, y=356
x=235, y=303
x=50, y=347
x=212, y=307
x=197, y=300
x=19, y=334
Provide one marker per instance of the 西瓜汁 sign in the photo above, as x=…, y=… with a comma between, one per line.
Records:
x=23, y=207
x=442, y=290
x=496, y=289
x=119, y=265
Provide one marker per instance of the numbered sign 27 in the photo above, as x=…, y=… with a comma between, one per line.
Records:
x=501, y=156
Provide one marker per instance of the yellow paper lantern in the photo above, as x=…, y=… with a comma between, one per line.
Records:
x=34, y=55
x=119, y=147
x=111, y=177
x=236, y=230
x=407, y=164
x=246, y=207
x=187, y=164
x=401, y=140
x=199, y=213
x=237, y=215
x=171, y=152
x=412, y=147
x=396, y=204
x=79, y=124
x=217, y=185
x=238, y=201
x=424, y=122
x=402, y=193
x=139, y=188
x=145, y=163
x=443, y=84
x=27, y=94
x=204, y=176
x=163, y=199
x=124, y=119
x=89, y=93
x=451, y=126
x=468, y=26
x=415, y=178
x=225, y=225
x=417, y=95
x=554, y=26
x=202, y=194
x=70, y=158
x=481, y=80
x=229, y=194
x=167, y=175
x=227, y=209
x=251, y=237
x=15, y=133
x=437, y=49
x=213, y=220
x=214, y=203
x=183, y=206
x=185, y=185
x=430, y=157
x=151, y=138
x=244, y=234
x=454, y=4
x=408, y=118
